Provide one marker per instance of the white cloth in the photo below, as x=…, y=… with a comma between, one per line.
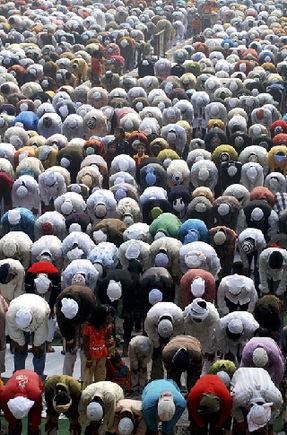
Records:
x=76, y=240
x=155, y=313
x=259, y=241
x=110, y=393
x=206, y=255
x=15, y=287
x=22, y=246
x=204, y=331
x=84, y=267
x=265, y=271
x=40, y=316
x=250, y=385
x=226, y=344
x=228, y=288
x=20, y=406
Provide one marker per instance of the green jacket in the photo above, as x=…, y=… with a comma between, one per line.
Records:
x=73, y=388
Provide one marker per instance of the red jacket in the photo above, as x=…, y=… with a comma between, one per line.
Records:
x=209, y=384
x=188, y=278
x=28, y=384
x=43, y=267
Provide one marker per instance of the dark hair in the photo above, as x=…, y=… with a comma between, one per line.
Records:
x=276, y=260
x=62, y=398
x=262, y=332
x=267, y=316
x=99, y=316
x=120, y=129
x=232, y=336
x=98, y=400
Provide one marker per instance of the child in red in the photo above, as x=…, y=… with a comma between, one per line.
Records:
x=140, y=156
x=95, y=349
x=122, y=373
x=96, y=67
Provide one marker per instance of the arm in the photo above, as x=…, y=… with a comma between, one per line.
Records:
x=141, y=427
x=263, y=286
x=222, y=343
x=278, y=370
x=109, y=416
x=84, y=401
x=66, y=327
x=15, y=333
x=193, y=401
x=151, y=331
x=35, y=413
x=225, y=405
x=282, y=286
x=243, y=256
x=75, y=392
x=221, y=298
x=19, y=283
x=168, y=427
x=41, y=333
x=49, y=394
x=150, y=418
x=179, y=328
x=253, y=299
x=273, y=221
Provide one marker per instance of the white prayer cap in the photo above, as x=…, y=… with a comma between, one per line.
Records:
x=95, y=411
x=20, y=406
x=23, y=317
x=69, y=308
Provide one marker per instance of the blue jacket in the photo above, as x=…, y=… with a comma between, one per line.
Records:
x=150, y=397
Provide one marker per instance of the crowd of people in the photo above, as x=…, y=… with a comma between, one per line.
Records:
x=146, y=193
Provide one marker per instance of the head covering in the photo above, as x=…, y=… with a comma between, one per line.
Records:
x=4, y=273
x=257, y=214
x=199, y=309
x=42, y=283
x=69, y=308
x=14, y=217
x=20, y=406
x=78, y=279
x=133, y=251
x=23, y=318
x=165, y=327
x=47, y=228
x=235, y=284
x=224, y=376
x=155, y=296
x=161, y=259
x=181, y=359
x=114, y=290
x=258, y=416
x=125, y=426
x=198, y=287
x=99, y=236
x=248, y=245
x=9, y=248
x=166, y=406
x=219, y=238
x=95, y=411
x=260, y=357
x=235, y=326
x=144, y=346
x=209, y=404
